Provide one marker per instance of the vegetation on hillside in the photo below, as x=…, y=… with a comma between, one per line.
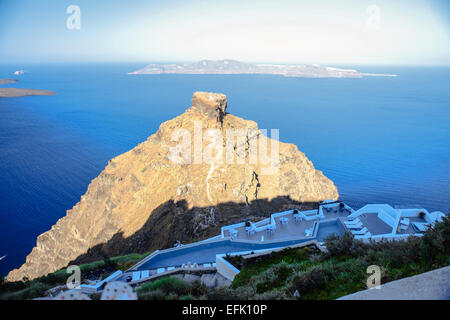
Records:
x=171, y=288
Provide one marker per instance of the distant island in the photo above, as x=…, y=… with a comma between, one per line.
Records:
x=17, y=92
x=7, y=81
x=228, y=66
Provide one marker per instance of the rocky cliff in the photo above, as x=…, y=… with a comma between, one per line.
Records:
x=182, y=184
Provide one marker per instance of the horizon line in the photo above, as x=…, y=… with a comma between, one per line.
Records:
x=160, y=61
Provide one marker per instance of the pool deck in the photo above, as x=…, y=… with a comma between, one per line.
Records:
x=374, y=224
x=290, y=230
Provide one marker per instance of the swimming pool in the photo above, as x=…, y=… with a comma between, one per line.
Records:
x=206, y=252
x=328, y=228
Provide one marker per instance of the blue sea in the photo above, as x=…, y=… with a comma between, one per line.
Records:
x=381, y=140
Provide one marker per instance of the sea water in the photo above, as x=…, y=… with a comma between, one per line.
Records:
x=380, y=139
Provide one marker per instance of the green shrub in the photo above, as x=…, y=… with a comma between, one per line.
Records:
x=198, y=288
x=272, y=278
x=172, y=296
x=309, y=280
x=222, y=293
x=436, y=242
x=282, y=271
x=11, y=286
x=257, y=266
x=271, y=295
x=35, y=289
x=264, y=281
x=109, y=263
x=56, y=278
x=157, y=294
x=339, y=246
x=167, y=285
x=390, y=253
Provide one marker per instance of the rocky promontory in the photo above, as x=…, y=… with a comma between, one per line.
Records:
x=181, y=184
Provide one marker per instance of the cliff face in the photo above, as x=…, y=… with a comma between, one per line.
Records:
x=163, y=191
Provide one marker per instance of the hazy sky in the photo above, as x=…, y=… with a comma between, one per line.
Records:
x=312, y=31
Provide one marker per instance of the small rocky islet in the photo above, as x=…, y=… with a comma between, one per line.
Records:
x=18, y=92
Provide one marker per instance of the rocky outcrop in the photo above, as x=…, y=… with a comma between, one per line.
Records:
x=213, y=105
x=163, y=190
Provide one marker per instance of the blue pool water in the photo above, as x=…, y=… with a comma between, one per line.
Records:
x=381, y=140
x=206, y=252
x=328, y=228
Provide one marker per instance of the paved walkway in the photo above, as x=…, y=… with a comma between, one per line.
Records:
x=433, y=285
